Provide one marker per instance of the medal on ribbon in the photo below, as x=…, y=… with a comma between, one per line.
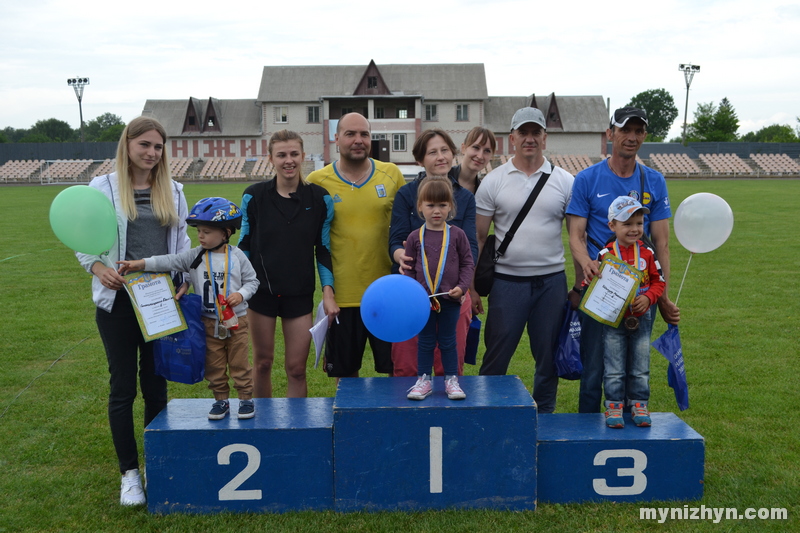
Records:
x=435, y=305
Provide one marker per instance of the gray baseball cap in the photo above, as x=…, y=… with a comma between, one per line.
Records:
x=525, y=115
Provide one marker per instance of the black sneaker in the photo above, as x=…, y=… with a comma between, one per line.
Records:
x=246, y=409
x=219, y=410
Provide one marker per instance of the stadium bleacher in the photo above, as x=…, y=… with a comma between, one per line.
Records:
x=571, y=163
x=262, y=169
x=674, y=164
x=106, y=167
x=671, y=164
x=775, y=163
x=12, y=171
x=223, y=168
x=66, y=170
x=727, y=164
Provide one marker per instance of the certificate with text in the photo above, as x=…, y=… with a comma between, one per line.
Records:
x=153, y=298
x=610, y=293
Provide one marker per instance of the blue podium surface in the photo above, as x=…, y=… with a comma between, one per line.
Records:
x=391, y=453
x=280, y=460
x=580, y=459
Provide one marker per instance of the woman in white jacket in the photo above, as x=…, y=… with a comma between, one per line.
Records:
x=151, y=213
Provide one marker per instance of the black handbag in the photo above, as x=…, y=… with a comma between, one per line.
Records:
x=484, y=270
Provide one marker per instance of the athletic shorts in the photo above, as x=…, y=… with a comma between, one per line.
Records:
x=347, y=339
x=273, y=306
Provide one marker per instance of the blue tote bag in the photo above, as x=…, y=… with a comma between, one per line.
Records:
x=568, y=352
x=181, y=357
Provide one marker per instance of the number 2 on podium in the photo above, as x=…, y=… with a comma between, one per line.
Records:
x=230, y=490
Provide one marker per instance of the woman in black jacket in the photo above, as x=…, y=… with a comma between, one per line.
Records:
x=285, y=226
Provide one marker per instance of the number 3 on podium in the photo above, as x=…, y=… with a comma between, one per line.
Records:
x=636, y=472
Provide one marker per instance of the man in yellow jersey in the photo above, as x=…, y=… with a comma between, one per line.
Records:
x=363, y=192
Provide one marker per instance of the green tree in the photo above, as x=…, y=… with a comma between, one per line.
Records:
x=95, y=128
x=111, y=134
x=661, y=112
x=14, y=135
x=714, y=124
x=36, y=138
x=3, y=138
x=777, y=133
x=56, y=130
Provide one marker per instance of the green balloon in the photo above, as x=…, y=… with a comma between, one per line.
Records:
x=84, y=219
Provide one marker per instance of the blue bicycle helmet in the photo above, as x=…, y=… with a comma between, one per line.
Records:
x=217, y=212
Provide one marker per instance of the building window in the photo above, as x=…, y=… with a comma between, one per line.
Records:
x=313, y=114
x=462, y=112
x=191, y=121
x=399, y=142
x=346, y=110
x=431, y=113
x=372, y=82
x=379, y=137
x=379, y=113
x=210, y=122
x=281, y=113
x=402, y=113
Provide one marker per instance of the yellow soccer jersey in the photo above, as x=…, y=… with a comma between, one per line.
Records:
x=360, y=228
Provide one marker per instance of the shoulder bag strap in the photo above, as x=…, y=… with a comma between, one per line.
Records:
x=646, y=239
x=522, y=214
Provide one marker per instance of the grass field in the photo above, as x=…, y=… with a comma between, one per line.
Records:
x=740, y=328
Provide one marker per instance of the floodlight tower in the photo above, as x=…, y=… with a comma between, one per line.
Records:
x=78, y=84
x=689, y=71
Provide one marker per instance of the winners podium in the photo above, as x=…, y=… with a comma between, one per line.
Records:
x=370, y=448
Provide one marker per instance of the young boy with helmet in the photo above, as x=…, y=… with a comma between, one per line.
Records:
x=225, y=279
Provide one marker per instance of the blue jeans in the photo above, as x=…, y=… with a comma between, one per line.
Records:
x=592, y=347
x=627, y=361
x=441, y=329
x=539, y=303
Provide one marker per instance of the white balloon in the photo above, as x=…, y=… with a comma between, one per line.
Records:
x=703, y=222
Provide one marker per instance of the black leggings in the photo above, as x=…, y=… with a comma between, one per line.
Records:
x=127, y=352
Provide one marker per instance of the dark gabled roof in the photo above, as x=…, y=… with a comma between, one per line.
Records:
x=464, y=81
x=498, y=110
x=581, y=114
x=236, y=118
x=577, y=114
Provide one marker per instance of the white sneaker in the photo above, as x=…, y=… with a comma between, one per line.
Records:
x=131, y=492
x=453, y=389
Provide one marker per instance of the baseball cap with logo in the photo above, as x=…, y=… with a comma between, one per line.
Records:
x=624, y=114
x=623, y=207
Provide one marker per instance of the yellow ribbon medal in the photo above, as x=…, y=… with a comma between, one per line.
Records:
x=435, y=305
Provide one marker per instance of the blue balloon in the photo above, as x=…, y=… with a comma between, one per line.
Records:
x=395, y=308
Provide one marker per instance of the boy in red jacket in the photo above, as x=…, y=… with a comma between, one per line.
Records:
x=627, y=347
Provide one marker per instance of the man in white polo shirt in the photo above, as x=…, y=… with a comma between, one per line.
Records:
x=530, y=284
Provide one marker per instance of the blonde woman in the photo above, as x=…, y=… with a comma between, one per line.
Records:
x=151, y=213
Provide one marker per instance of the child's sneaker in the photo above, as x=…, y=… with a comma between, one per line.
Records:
x=640, y=415
x=131, y=492
x=421, y=389
x=246, y=409
x=453, y=389
x=614, y=415
x=219, y=410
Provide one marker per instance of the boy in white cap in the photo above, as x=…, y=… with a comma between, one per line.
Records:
x=627, y=347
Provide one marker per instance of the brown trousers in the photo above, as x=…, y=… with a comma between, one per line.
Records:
x=231, y=354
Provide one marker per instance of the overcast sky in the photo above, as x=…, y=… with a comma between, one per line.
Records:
x=748, y=51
